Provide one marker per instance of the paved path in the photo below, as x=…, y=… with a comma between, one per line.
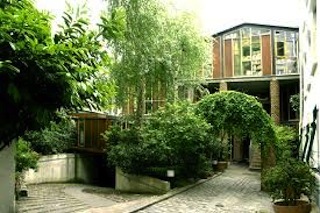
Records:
x=60, y=198
x=235, y=191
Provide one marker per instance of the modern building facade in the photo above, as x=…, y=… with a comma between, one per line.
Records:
x=259, y=60
x=310, y=78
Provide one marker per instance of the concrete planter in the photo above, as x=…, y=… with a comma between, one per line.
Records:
x=140, y=184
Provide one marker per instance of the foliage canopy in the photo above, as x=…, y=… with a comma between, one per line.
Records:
x=39, y=73
x=155, y=51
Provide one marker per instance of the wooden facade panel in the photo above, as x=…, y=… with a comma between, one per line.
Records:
x=228, y=64
x=216, y=72
x=266, y=55
x=88, y=133
x=94, y=125
x=102, y=128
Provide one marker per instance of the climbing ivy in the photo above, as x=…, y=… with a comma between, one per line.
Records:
x=239, y=114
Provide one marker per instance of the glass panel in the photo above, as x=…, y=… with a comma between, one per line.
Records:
x=236, y=57
x=280, y=48
x=256, y=54
x=246, y=43
x=290, y=49
x=265, y=31
x=246, y=66
x=286, y=52
x=246, y=51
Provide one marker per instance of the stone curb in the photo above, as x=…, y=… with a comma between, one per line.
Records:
x=173, y=193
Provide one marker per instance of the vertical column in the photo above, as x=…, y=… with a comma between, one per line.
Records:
x=223, y=86
x=275, y=100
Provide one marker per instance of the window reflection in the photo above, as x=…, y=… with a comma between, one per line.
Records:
x=285, y=52
x=247, y=51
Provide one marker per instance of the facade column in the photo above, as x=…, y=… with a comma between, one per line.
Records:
x=223, y=86
x=275, y=100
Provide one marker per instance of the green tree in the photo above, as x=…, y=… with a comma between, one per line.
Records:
x=40, y=73
x=155, y=52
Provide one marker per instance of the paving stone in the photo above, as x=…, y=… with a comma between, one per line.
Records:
x=235, y=191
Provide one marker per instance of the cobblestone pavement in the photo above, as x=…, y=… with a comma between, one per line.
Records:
x=68, y=198
x=235, y=191
x=49, y=198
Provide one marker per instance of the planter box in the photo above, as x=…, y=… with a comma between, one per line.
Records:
x=301, y=207
x=222, y=165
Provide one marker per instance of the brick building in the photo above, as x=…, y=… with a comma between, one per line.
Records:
x=260, y=60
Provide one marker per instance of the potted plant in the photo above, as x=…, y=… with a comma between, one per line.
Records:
x=286, y=182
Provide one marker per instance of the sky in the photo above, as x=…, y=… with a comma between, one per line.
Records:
x=213, y=15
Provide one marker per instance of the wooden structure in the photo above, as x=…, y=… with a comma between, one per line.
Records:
x=90, y=127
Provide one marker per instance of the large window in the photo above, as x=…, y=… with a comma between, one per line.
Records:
x=246, y=49
x=236, y=56
x=251, y=52
x=285, y=51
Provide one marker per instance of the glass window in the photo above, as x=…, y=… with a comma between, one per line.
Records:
x=236, y=57
x=246, y=51
x=250, y=45
x=246, y=66
x=280, y=48
x=286, y=51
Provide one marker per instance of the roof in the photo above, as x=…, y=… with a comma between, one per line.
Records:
x=255, y=25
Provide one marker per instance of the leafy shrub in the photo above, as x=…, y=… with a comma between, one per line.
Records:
x=286, y=142
x=174, y=137
x=124, y=148
x=58, y=137
x=295, y=102
x=25, y=157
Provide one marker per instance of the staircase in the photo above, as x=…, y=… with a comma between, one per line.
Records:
x=255, y=158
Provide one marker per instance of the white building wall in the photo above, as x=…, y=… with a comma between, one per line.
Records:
x=310, y=86
x=310, y=78
x=7, y=179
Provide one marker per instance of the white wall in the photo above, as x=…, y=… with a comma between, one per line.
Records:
x=7, y=179
x=53, y=168
x=310, y=81
x=63, y=168
x=310, y=76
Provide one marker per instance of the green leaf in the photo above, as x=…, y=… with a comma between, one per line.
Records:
x=13, y=91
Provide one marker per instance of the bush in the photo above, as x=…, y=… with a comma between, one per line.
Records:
x=124, y=148
x=287, y=143
x=172, y=138
x=58, y=137
x=25, y=157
